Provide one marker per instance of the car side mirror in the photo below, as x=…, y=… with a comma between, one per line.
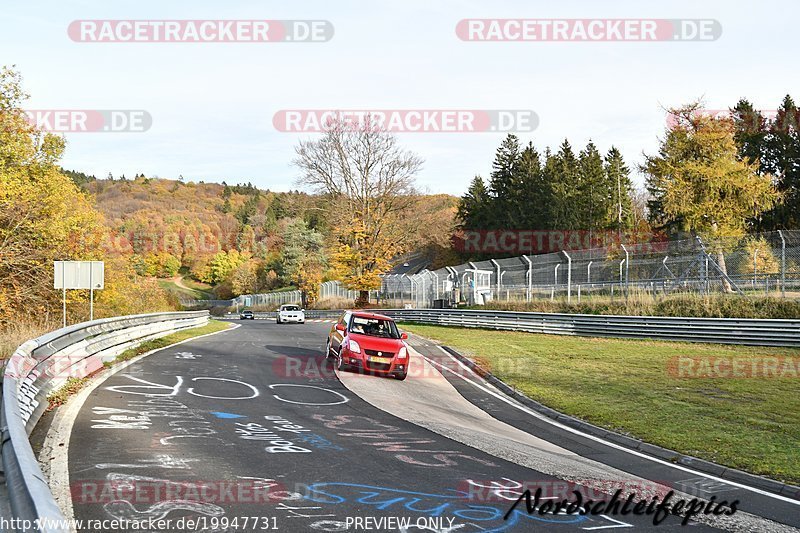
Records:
x=340, y=327
x=404, y=336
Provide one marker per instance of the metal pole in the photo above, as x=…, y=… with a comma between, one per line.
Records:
x=91, y=291
x=627, y=268
x=555, y=279
x=569, y=277
x=589, y=272
x=64, y=294
x=755, y=267
x=783, y=264
x=530, y=278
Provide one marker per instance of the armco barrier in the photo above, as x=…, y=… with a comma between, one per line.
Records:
x=752, y=332
x=42, y=365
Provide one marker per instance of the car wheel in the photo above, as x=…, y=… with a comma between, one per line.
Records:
x=341, y=366
x=402, y=376
x=328, y=349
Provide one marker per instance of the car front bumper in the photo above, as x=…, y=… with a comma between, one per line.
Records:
x=356, y=360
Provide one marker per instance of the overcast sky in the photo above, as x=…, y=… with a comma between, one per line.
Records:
x=212, y=104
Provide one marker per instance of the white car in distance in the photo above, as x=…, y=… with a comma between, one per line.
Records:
x=290, y=313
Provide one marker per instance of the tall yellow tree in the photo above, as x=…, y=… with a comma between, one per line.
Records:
x=43, y=215
x=698, y=183
x=368, y=181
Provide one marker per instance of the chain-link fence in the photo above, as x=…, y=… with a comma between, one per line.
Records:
x=335, y=290
x=267, y=299
x=766, y=264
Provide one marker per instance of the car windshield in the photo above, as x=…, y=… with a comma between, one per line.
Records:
x=291, y=308
x=374, y=327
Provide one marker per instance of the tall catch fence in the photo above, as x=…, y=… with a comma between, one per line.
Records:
x=759, y=264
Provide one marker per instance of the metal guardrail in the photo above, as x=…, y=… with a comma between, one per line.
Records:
x=744, y=331
x=42, y=365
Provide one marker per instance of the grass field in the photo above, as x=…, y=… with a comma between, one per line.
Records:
x=751, y=424
x=212, y=327
x=187, y=288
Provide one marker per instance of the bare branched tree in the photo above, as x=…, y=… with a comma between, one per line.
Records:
x=369, y=182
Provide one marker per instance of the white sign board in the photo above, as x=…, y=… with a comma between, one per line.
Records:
x=78, y=275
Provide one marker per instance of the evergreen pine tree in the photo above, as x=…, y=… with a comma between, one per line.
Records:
x=593, y=192
x=504, y=185
x=562, y=176
x=750, y=132
x=622, y=191
x=533, y=196
x=475, y=207
x=783, y=161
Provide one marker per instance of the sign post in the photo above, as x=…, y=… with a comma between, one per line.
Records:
x=78, y=275
x=63, y=297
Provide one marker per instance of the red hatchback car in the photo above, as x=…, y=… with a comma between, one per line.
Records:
x=368, y=341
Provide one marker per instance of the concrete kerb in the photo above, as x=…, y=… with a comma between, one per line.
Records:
x=701, y=465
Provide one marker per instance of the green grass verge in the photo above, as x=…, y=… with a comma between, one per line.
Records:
x=212, y=327
x=640, y=304
x=59, y=396
x=73, y=385
x=752, y=424
x=191, y=293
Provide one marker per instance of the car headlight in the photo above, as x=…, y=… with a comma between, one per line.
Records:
x=354, y=347
x=403, y=353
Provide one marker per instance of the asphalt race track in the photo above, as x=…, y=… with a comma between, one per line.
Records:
x=251, y=430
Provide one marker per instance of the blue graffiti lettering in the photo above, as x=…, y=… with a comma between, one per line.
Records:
x=455, y=504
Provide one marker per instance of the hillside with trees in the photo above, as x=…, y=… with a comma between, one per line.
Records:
x=237, y=238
